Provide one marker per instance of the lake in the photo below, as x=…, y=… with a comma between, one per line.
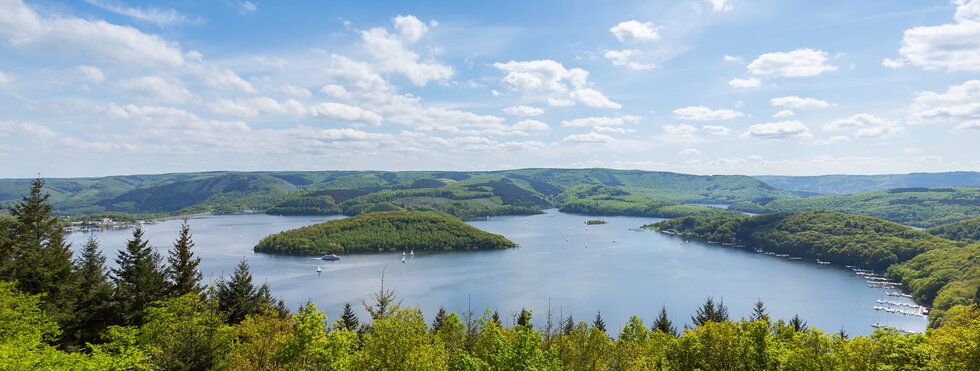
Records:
x=577, y=269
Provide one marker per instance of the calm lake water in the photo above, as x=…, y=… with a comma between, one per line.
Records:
x=577, y=269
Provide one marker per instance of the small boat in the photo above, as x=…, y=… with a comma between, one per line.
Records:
x=318, y=269
x=412, y=253
x=403, y=259
x=403, y=254
x=331, y=257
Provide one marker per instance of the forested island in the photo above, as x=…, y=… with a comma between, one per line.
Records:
x=383, y=231
x=940, y=273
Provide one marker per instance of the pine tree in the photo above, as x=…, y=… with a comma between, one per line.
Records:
x=495, y=317
x=94, y=312
x=7, y=248
x=238, y=297
x=42, y=259
x=385, y=302
x=439, y=320
x=797, y=323
x=568, y=325
x=759, y=311
x=710, y=312
x=976, y=297
x=524, y=319
x=598, y=322
x=664, y=324
x=140, y=279
x=349, y=320
x=183, y=275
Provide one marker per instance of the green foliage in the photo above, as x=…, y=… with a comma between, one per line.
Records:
x=710, y=312
x=966, y=230
x=401, y=341
x=186, y=333
x=238, y=297
x=846, y=184
x=95, y=307
x=943, y=277
x=605, y=200
x=183, y=276
x=843, y=239
x=383, y=231
x=923, y=207
x=139, y=278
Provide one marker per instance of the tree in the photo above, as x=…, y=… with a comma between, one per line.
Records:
x=140, y=278
x=710, y=312
x=664, y=324
x=7, y=248
x=797, y=323
x=976, y=297
x=183, y=275
x=348, y=320
x=439, y=320
x=568, y=325
x=238, y=297
x=385, y=301
x=187, y=333
x=94, y=311
x=524, y=319
x=598, y=322
x=759, y=311
x=42, y=258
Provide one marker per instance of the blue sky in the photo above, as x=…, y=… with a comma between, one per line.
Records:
x=103, y=87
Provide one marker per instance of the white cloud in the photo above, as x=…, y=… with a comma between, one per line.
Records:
x=682, y=133
x=718, y=130
x=600, y=121
x=796, y=63
x=588, y=138
x=702, y=113
x=783, y=130
x=218, y=77
x=856, y=121
x=689, y=152
x=277, y=63
x=91, y=74
x=958, y=104
x=799, y=102
x=833, y=140
x=531, y=125
x=155, y=88
x=732, y=59
x=624, y=58
x=745, y=83
x=392, y=54
x=722, y=6
x=245, y=7
x=634, y=30
x=951, y=47
x=346, y=112
x=524, y=111
x=23, y=28
x=4, y=79
x=559, y=102
x=547, y=79
x=883, y=130
x=156, y=16
x=295, y=91
x=968, y=125
x=784, y=114
x=609, y=130
x=892, y=63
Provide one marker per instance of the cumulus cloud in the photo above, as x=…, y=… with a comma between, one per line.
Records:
x=960, y=103
x=155, y=88
x=718, y=130
x=588, y=138
x=722, y=6
x=91, y=74
x=553, y=82
x=968, y=125
x=855, y=121
x=784, y=114
x=833, y=140
x=798, y=102
x=635, y=31
x=531, y=125
x=745, y=83
x=732, y=59
x=796, y=63
x=682, y=133
x=600, y=121
x=295, y=91
x=393, y=55
x=625, y=58
x=523, y=111
x=783, y=130
x=702, y=113
x=951, y=46
x=101, y=41
x=156, y=16
x=689, y=152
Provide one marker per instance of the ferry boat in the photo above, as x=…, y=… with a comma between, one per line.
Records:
x=331, y=257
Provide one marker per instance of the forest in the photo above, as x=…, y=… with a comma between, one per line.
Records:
x=939, y=273
x=966, y=230
x=383, y=231
x=65, y=312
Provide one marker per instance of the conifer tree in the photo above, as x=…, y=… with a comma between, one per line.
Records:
x=710, y=312
x=439, y=320
x=94, y=311
x=348, y=319
x=495, y=317
x=183, y=275
x=598, y=322
x=568, y=325
x=524, y=319
x=385, y=302
x=759, y=311
x=42, y=260
x=139, y=277
x=7, y=248
x=797, y=323
x=664, y=324
x=238, y=297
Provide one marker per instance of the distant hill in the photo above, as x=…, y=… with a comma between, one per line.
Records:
x=846, y=184
x=466, y=194
x=383, y=231
x=966, y=230
x=922, y=207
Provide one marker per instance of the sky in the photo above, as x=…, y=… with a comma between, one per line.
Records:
x=111, y=87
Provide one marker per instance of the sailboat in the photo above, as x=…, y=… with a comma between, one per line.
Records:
x=319, y=269
x=403, y=258
x=403, y=254
x=412, y=253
